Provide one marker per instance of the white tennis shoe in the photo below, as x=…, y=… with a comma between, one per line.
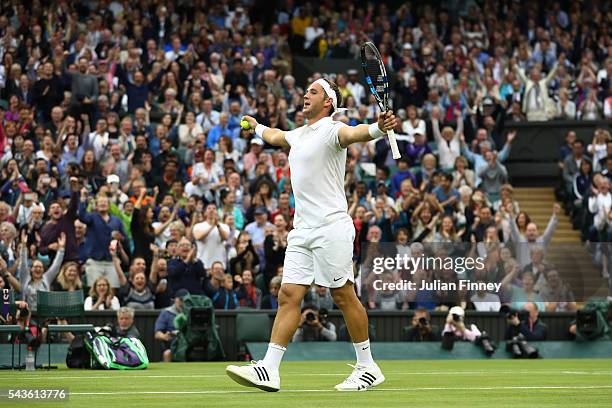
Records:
x=362, y=378
x=255, y=375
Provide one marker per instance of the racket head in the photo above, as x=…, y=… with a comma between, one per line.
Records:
x=375, y=74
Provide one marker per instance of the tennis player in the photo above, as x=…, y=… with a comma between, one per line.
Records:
x=320, y=247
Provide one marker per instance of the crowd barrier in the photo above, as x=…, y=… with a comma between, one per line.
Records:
x=388, y=325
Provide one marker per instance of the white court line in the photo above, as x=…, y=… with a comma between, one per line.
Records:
x=124, y=375
x=518, y=387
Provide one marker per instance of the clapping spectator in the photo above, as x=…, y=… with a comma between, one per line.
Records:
x=101, y=296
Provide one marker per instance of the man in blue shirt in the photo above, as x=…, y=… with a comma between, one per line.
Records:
x=165, y=332
x=222, y=129
x=102, y=228
x=446, y=195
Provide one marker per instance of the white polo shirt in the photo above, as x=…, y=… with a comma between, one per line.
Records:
x=318, y=164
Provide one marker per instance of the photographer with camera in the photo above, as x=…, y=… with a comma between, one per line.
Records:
x=165, y=332
x=30, y=335
x=456, y=326
x=526, y=323
x=421, y=329
x=314, y=326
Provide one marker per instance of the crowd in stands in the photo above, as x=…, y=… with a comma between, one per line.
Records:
x=125, y=172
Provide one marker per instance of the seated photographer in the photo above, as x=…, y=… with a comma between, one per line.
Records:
x=526, y=323
x=421, y=329
x=30, y=334
x=455, y=324
x=165, y=331
x=125, y=324
x=314, y=326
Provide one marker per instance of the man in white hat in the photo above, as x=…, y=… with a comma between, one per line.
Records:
x=320, y=248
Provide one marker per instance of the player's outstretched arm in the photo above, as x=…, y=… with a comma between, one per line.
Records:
x=273, y=136
x=348, y=135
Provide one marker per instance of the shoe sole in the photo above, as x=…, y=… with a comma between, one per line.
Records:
x=377, y=383
x=246, y=382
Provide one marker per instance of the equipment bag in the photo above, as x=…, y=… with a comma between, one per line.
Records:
x=112, y=353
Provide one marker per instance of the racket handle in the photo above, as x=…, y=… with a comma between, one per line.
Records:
x=393, y=143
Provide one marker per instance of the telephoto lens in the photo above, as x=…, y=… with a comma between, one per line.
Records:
x=527, y=350
x=486, y=344
x=513, y=347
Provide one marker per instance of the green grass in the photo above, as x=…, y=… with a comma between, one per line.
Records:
x=417, y=383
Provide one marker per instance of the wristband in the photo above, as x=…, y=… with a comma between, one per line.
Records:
x=260, y=129
x=375, y=131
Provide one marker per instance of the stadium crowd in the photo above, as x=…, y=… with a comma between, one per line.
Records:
x=125, y=171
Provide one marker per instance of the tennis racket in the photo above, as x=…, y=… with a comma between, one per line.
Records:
x=376, y=78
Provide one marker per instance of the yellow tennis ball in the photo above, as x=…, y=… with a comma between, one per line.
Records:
x=245, y=124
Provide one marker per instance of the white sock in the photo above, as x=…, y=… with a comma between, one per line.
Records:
x=364, y=353
x=274, y=355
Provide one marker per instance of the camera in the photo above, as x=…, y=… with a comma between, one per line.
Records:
x=519, y=348
x=456, y=318
x=310, y=317
x=423, y=322
x=485, y=342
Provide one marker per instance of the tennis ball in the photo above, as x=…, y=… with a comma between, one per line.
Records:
x=245, y=124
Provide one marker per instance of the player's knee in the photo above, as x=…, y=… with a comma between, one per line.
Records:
x=342, y=298
x=288, y=296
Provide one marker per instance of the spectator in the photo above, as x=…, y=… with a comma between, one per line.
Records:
x=219, y=286
x=536, y=103
x=185, y=271
x=524, y=244
x=247, y=293
x=101, y=229
x=61, y=222
x=101, y=296
x=210, y=237
x=270, y=301
x=33, y=277
x=557, y=294
x=125, y=326
x=135, y=292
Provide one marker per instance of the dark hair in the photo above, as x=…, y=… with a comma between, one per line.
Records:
x=334, y=88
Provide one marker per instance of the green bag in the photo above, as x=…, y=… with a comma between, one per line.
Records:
x=124, y=353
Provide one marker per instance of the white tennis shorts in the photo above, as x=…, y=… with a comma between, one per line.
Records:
x=323, y=255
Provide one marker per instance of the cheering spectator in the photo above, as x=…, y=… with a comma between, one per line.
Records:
x=101, y=296
x=101, y=229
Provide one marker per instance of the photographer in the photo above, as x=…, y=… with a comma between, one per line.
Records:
x=529, y=325
x=315, y=327
x=421, y=329
x=455, y=325
x=165, y=332
x=30, y=334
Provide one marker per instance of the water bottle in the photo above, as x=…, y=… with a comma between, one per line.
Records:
x=30, y=364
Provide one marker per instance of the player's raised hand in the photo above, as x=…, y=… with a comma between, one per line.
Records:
x=387, y=121
x=251, y=120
